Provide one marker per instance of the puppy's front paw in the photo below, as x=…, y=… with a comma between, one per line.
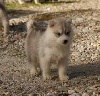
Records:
x=34, y=72
x=46, y=77
x=64, y=78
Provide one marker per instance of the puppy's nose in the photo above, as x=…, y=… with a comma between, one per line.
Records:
x=65, y=41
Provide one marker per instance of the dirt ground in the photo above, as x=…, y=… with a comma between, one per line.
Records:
x=16, y=81
x=84, y=67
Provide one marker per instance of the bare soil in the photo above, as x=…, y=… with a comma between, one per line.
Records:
x=15, y=79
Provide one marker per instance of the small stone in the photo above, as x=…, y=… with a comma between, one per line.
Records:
x=90, y=91
x=50, y=94
x=85, y=94
x=75, y=94
x=71, y=91
x=62, y=94
x=31, y=94
x=6, y=94
x=1, y=81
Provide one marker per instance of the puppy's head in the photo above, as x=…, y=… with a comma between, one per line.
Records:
x=60, y=30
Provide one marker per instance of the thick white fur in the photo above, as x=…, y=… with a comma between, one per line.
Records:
x=46, y=48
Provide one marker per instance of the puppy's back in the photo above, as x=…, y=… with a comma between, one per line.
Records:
x=32, y=39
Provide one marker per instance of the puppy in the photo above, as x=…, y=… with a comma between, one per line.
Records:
x=49, y=47
x=4, y=19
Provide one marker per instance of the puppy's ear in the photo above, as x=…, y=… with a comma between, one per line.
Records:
x=69, y=20
x=51, y=23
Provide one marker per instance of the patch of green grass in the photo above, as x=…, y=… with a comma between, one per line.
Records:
x=51, y=3
x=10, y=5
x=17, y=5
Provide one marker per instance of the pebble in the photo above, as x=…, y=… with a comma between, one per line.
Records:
x=71, y=91
x=75, y=94
x=86, y=48
x=85, y=94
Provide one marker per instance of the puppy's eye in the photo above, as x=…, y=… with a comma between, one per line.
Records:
x=58, y=34
x=68, y=33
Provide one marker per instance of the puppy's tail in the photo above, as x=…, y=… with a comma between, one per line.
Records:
x=30, y=26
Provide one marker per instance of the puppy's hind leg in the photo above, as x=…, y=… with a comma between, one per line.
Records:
x=33, y=68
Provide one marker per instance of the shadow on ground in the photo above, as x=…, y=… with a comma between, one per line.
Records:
x=90, y=69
